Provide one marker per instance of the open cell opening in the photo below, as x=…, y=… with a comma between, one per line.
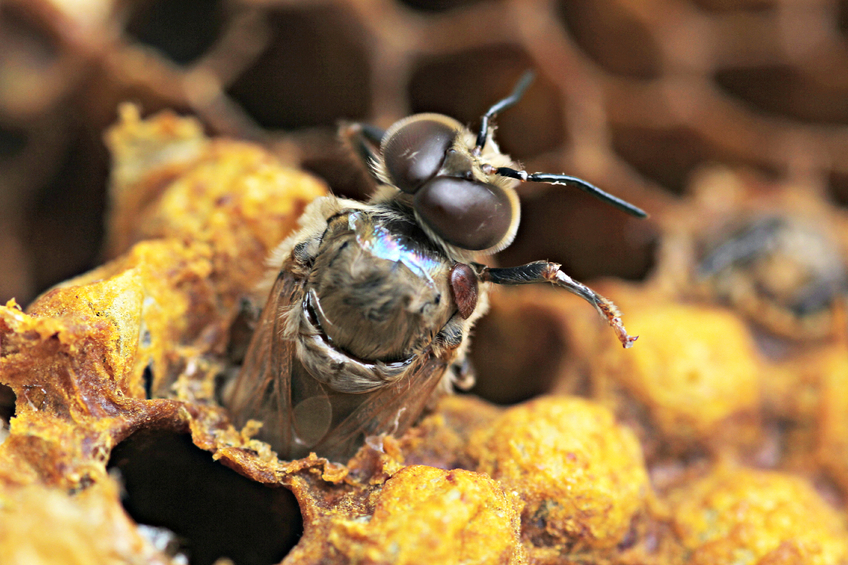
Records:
x=669, y=156
x=516, y=353
x=464, y=85
x=612, y=37
x=589, y=238
x=213, y=511
x=314, y=72
x=436, y=5
x=12, y=142
x=184, y=31
x=7, y=410
x=789, y=91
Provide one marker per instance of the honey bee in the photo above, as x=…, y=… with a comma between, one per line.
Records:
x=374, y=302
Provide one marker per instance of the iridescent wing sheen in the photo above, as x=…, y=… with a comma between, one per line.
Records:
x=388, y=410
x=299, y=413
x=261, y=391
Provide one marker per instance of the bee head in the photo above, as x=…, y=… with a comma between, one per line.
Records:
x=427, y=157
x=457, y=197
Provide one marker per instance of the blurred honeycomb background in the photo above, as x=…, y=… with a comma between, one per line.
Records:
x=726, y=119
x=635, y=96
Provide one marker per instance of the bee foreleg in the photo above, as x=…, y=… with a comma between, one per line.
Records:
x=545, y=271
x=365, y=140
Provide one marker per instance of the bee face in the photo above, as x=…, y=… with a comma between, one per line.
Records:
x=373, y=303
x=431, y=157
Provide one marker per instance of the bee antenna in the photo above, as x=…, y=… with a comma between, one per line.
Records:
x=565, y=180
x=508, y=102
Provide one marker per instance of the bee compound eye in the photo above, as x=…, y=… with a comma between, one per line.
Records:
x=469, y=214
x=415, y=151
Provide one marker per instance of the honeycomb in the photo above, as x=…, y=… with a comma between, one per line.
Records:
x=719, y=438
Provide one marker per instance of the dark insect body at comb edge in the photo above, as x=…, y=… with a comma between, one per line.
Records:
x=374, y=302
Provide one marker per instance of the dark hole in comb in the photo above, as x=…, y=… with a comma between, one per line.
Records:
x=213, y=511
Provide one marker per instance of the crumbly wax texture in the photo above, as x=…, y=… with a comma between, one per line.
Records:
x=697, y=356
x=428, y=515
x=743, y=515
x=626, y=464
x=581, y=475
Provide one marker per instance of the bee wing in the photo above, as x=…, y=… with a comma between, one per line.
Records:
x=389, y=409
x=299, y=413
x=262, y=389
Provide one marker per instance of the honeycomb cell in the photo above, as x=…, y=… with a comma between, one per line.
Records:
x=669, y=156
x=440, y=439
x=214, y=511
x=785, y=274
x=66, y=231
x=736, y=515
x=581, y=476
x=220, y=207
x=789, y=91
x=838, y=188
x=518, y=347
x=183, y=31
x=438, y=5
x=12, y=141
x=612, y=37
x=428, y=515
x=463, y=85
x=314, y=72
x=624, y=248
x=720, y=6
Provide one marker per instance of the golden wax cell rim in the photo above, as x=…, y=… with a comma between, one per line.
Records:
x=620, y=464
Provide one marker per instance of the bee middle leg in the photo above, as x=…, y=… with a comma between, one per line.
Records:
x=545, y=271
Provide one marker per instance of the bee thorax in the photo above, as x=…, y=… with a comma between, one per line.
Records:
x=374, y=308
